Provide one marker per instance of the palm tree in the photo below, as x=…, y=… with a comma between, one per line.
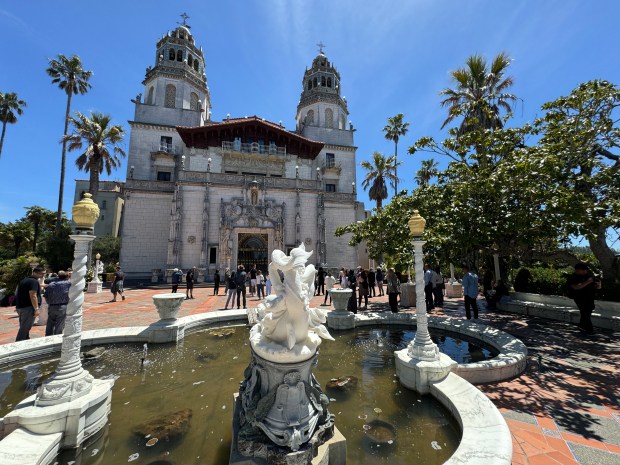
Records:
x=39, y=216
x=16, y=235
x=393, y=130
x=102, y=149
x=380, y=170
x=10, y=107
x=427, y=171
x=480, y=93
x=72, y=78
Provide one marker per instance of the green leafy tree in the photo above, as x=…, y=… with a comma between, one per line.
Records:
x=13, y=271
x=379, y=170
x=17, y=236
x=109, y=247
x=102, y=141
x=73, y=79
x=480, y=93
x=10, y=107
x=427, y=171
x=576, y=166
x=395, y=128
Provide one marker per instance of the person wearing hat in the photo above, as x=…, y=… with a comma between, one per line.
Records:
x=177, y=277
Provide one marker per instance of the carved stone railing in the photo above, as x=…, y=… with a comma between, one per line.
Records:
x=253, y=147
x=338, y=197
x=161, y=186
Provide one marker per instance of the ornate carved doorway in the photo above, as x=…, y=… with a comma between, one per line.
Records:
x=253, y=250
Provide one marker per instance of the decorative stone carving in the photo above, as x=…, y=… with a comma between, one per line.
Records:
x=168, y=305
x=281, y=401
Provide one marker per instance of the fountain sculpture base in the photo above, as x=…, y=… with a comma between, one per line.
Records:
x=419, y=375
x=327, y=446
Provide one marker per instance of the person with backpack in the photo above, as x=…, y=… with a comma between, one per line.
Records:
x=231, y=285
x=177, y=277
x=240, y=279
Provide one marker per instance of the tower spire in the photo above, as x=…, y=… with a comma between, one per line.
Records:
x=185, y=17
x=321, y=46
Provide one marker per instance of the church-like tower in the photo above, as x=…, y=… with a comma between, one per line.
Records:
x=321, y=109
x=175, y=89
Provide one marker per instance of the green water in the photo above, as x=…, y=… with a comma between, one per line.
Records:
x=202, y=373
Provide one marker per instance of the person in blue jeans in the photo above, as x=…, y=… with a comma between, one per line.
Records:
x=470, y=291
x=240, y=282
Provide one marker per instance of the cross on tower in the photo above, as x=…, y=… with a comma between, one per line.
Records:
x=321, y=45
x=185, y=18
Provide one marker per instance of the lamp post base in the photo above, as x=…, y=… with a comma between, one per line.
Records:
x=419, y=375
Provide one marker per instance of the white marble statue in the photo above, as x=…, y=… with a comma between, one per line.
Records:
x=286, y=318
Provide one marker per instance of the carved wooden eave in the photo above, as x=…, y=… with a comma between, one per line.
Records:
x=212, y=135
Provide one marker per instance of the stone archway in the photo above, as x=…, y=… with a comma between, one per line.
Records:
x=253, y=249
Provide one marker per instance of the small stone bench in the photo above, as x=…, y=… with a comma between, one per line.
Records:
x=606, y=314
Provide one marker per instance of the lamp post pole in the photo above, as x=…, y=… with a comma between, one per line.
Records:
x=495, y=249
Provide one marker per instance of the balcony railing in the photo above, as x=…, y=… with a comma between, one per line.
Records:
x=253, y=147
x=167, y=148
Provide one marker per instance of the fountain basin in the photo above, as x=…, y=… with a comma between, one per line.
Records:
x=168, y=305
x=340, y=298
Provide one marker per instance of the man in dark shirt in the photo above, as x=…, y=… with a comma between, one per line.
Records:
x=252, y=281
x=320, y=281
x=28, y=302
x=371, y=283
x=582, y=286
x=240, y=278
x=57, y=298
x=216, y=282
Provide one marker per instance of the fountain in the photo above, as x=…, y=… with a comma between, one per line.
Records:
x=281, y=414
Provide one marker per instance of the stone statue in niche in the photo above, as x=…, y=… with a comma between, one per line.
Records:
x=254, y=194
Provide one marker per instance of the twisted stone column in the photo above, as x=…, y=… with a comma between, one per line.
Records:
x=422, y=347
x=71, y=381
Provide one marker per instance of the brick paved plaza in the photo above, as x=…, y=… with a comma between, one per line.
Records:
x=562, y=410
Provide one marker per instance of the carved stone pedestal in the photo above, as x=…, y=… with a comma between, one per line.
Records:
x=407, y=295
x=340, y=318
x=418, y=375
x=94, y=287
x=454, y=290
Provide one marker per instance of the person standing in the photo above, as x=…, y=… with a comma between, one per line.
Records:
x=428, y=287
x=28, y=302
x=240, y=278
x=582, y=286
x=117, y=283
x=352, y=283
x=189, y=282
x=57, y=297
x=320, y=288
x=177, y=277
x=252, y=282
x=232, y=290
x=260, y=284
x=216, y=283
x=372, y=278
x=470, y=291
x=268, y=283
x=438, y=287
x=226, y=280
x=362, y=282
x=330, y=281
x=379, y=278
x=392, y=289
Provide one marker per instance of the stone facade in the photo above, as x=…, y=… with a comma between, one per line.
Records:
x=218, y=194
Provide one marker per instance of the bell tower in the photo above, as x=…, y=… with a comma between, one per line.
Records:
x=321, y=108
x=175, y=88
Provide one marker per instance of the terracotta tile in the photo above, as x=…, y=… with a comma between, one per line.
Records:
x=543, y=460
x=569, y=437
x=520, y=425
x=546, y=422
x=559, y=445
x=613, y=448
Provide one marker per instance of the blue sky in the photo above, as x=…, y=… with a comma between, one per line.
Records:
x=393, y=56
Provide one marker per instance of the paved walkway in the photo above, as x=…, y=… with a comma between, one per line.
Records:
x=563, y=410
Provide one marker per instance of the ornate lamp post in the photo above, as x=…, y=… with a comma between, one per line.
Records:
x=422, y=347
x=421, y=364
x=71, y=380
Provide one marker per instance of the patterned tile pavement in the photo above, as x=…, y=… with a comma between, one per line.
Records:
x=563, y=410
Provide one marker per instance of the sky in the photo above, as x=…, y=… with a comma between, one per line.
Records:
x=393, y=57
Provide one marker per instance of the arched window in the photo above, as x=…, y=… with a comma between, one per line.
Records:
x=314, y=83
x=179, y=55
x=329, y=82
x=171, y=54
x=149, y=99
x=190, y=59
x=171, y=96
x=181, y=35
x=193, y=101
x=196, y=65
x=323, y=83
x=329, y=118
x=310, y=117
x=309, y=84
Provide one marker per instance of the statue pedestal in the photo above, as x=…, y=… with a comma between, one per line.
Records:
x=94, y=287
x=454, y=290
x=407, y=295
x=418, y=375
x=168, y=305
x=340, y=318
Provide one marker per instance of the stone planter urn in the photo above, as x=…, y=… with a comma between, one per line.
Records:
x=168, y=305
x=340, y=298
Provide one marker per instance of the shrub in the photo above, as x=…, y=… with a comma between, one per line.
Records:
x=549, y=281
x=13, y=271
